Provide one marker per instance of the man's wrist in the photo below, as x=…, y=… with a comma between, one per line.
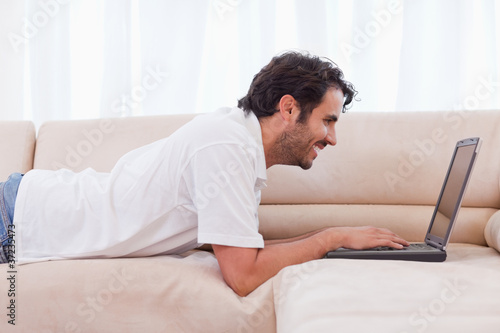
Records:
x=336, y=238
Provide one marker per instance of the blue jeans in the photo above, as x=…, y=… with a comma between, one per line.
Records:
x=8, y=193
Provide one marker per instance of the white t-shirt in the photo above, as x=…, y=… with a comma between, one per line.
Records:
x=200, y=185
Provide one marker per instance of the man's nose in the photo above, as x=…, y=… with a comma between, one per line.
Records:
x=331, y=137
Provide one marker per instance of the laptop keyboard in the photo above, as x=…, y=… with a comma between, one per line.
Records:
x=417, y=246
x=421, y=246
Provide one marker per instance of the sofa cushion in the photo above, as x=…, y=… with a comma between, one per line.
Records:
x=492, y=231
x=157, y=294
x=17, y=147
x=458, y=295
x=408, y=221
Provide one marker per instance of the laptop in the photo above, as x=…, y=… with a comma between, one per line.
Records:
x=443, y=218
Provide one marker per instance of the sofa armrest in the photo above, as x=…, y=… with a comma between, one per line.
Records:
x=492, y=231
x=17, y=147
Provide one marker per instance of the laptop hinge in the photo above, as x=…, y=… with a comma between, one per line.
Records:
x=434, y=244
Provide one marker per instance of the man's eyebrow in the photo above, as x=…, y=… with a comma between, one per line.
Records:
x=332, y=117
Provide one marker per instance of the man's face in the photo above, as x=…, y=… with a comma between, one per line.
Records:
x=300, y=143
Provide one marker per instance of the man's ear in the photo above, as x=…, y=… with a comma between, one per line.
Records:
x=288, y=107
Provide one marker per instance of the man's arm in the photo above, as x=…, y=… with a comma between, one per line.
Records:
x=289, y=240
x=244, y=269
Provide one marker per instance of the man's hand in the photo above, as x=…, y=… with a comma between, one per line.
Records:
x=244, y=269
x=360, y=238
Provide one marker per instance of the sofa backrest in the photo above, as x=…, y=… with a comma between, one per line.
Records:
x=388, y=167
x=380, y=158
x=17, y=146
x=98, y=143
x=394, y=158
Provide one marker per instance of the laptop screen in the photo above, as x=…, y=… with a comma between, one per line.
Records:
x=453, y=189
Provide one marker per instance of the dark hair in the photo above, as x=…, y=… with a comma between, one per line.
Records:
x=307, y=78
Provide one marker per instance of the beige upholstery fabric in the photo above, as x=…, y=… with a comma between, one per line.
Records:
x=386, y=159
x=351, y=296
x=77, y=145
x=393, y=158
x=380, y=158
x=163, y=294
x=492, y=232
x=410, y=222
x=17, y=145
x=386, y=171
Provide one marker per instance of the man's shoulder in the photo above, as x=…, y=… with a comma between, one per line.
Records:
x=225, y=116
x=226, y=124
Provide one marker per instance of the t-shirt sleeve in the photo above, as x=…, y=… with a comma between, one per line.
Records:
x=222, y=186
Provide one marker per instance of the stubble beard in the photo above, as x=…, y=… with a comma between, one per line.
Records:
x=293, y=147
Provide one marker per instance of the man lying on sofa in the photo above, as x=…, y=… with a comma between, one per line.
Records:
x=200, y=185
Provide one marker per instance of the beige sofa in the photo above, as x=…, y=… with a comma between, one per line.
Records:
x=386, y=171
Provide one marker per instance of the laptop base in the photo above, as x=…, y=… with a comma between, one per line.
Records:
x=414, y=252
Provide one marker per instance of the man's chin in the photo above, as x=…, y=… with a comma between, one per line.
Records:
x=306, y=165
